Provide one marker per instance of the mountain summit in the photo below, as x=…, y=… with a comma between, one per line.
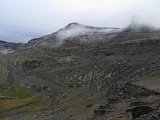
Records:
x=78, y=33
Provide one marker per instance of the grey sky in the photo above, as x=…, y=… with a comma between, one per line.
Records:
x=22, y=20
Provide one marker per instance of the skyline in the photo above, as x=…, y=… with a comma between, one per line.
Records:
x=22, y=20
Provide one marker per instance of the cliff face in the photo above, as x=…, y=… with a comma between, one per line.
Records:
x=111, y=76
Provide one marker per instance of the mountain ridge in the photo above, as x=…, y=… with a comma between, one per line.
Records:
x=73, y=30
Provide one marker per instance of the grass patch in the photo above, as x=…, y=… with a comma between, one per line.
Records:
x=18, y=92
x=10, y=104
x=77, y=103
x=44, y=101
x=79, y=100
x=77, y=97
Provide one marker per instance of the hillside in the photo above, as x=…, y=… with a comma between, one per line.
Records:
x=7, y=47
x=83, y=73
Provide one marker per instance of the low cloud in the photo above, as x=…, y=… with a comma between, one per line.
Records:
x=76, y=29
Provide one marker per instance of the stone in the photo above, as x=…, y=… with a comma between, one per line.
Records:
x=140, y=110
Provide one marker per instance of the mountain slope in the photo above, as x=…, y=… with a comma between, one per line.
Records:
x=107, y=77
x=7, y=47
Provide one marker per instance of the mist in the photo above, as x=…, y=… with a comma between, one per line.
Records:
x=22, y=20
x=76, y=29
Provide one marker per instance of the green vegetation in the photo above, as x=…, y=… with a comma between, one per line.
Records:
x=18, y=97
x=80, y=99
x=10, y=104
x=18, y=92
x=76, y=104
x=44, y=101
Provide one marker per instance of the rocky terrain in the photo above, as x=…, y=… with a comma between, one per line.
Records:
x=82, y=73
x=7, y=47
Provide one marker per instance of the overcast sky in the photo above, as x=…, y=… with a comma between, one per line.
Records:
x=22, y=20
